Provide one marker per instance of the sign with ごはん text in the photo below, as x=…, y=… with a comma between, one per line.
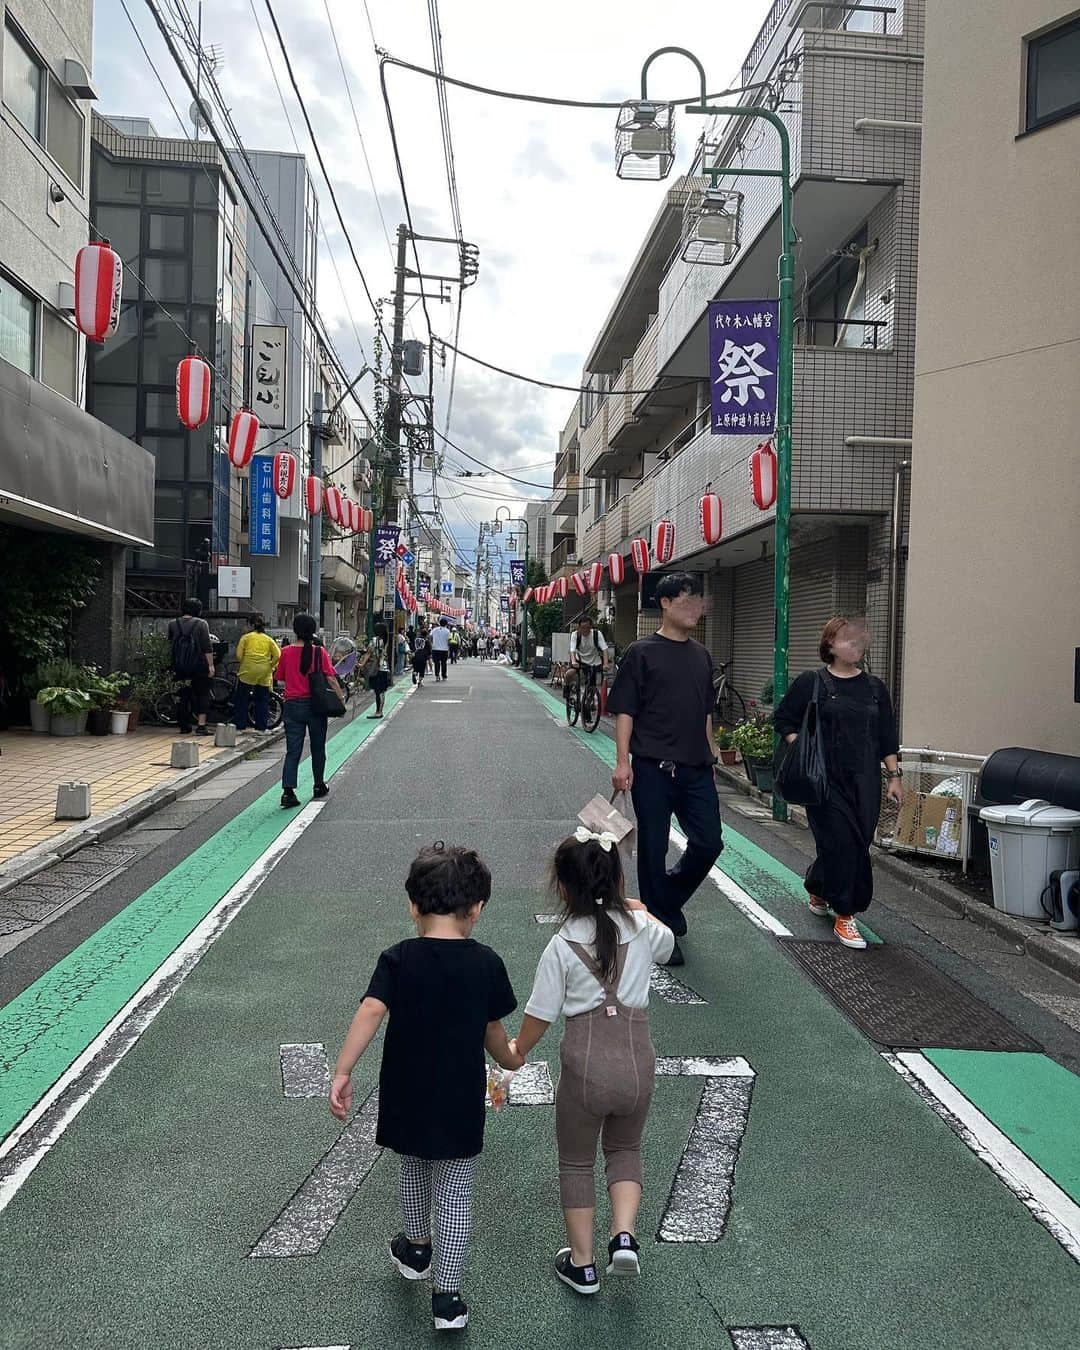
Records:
x=268, y=373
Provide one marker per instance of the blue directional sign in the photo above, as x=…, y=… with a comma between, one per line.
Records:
x=447, y=587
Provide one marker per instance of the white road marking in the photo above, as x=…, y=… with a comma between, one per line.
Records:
x=733, y=892
x=443, y=700
x=767, y=1338
x=1058, y=1213
x=304, y=1070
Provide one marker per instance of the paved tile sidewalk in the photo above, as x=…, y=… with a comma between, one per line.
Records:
x=117, y=768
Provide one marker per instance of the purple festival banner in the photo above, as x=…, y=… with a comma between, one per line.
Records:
x=744, y=356
x=386, y=540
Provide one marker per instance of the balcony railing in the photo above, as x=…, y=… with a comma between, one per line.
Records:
x=852, y=333
x=645, y=363
x=592, y=542
x=772, y=22
x=594, y=439
x=565, y=465
x=619, y=401
x=563, y=555
x=568, y=437
x=640, y=508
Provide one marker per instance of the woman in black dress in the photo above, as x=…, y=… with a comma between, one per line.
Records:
x=859, y=731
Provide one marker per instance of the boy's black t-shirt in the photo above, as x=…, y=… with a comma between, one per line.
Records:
x=441, y=993
x=666, y=687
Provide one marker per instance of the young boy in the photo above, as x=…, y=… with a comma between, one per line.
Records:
x=445, y=994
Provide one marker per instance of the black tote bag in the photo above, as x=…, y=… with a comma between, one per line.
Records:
x=801, y=778
x=324, y=700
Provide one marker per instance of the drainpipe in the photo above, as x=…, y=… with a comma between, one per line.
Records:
x=889, y=442
x=894, y=579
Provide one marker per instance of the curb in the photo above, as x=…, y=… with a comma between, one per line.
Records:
x=1060, y=956
x=109, y=824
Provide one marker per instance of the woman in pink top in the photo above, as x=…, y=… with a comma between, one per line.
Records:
x=296, y=664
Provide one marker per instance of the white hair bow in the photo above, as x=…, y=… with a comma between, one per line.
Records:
x=605, y=838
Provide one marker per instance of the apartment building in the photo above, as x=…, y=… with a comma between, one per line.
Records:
x=992, y=653
x=64, y=476
x=848, y=85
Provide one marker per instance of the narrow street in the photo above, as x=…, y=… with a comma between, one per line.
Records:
x=170, y=1175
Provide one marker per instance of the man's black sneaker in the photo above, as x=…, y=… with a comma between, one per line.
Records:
x=581, y=1279
x=320, y=790
x=203, y=731
x=676, y=958
x=449, y=1312
x=413, y=1259
x=289, y=798
x=622, y=1253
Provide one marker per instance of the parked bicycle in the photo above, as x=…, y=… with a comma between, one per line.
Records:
x=729, y=706
x=221, y=702
x=581, y=692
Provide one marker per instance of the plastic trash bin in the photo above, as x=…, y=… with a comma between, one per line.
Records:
x=1027, y=843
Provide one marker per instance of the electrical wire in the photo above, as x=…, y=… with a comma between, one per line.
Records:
x=547, y=384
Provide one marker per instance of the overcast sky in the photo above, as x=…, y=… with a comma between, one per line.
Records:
x=556, y=229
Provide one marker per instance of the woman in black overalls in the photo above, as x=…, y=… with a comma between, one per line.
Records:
x=859, y=730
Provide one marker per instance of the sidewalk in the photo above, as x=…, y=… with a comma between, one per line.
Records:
x=118, y=768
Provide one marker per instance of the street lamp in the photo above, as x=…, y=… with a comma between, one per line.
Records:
x=497, y=525
x=645, y=148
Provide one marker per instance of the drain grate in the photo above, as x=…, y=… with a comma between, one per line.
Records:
x=901, y=1001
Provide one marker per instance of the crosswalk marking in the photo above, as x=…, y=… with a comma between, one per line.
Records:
x=767, y=1338
x=304, y=1070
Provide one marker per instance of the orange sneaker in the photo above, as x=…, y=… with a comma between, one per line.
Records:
x=847, y=930
x=819, y=907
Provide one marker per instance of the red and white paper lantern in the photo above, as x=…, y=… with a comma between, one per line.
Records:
x=639, y=556
x=193, y=392
x=712, y=518
x=284, y=474
x=594, y=574
x=562, y=586
x=368, y=523
x=313, y=495
x=527, y=596
x=99, y=280
x=332, y=502
x=665, y=541
x=616, y=566
x=763, y=476
x=242, y=434
x=579, y=585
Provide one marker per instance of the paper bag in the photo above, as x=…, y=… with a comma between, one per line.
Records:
x=600, y=814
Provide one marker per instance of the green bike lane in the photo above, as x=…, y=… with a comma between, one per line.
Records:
x=856, y=1214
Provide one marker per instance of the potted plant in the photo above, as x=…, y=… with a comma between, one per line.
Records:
x=151, y=661
x=59, y=673
x=104, y=691
x=754, y=741
x=68, y=709
x=726, y=745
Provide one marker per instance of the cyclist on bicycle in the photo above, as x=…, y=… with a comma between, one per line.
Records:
x=588, y=649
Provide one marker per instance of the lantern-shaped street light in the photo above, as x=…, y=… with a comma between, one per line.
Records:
x=711, y=220
x=645, y=140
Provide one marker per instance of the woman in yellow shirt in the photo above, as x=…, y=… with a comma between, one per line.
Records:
x=258, y=655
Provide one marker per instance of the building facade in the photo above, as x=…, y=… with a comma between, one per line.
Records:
x=993, y=612
x=848, y=86
x=63, y=474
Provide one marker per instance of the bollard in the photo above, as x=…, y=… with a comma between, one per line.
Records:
x=185, y=755
x=225, y=735
x=73, y=801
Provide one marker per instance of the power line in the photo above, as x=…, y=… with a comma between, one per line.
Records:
x=547, y=384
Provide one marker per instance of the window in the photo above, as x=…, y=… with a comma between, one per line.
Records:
x=1053, y=75
x=65, y=130
x=838, y=293
x=23, y=78
x=18, y=312
x=166, y=233
x=114, y=404
x=168, y=452
x=59, y=354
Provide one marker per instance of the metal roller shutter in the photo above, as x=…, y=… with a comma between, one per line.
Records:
x=812, y=601
x=752, y=627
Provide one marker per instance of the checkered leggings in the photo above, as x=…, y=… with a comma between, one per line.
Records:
x=453, y=1182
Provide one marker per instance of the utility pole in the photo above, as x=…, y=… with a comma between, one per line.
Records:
x=315, y=539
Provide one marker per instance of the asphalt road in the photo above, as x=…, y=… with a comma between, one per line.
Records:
x=173, y=1195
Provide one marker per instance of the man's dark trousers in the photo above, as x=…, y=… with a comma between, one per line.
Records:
x=689, y=793
x=439, y=659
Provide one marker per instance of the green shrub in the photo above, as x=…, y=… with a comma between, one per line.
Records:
x=64, y=702
x=754, y=739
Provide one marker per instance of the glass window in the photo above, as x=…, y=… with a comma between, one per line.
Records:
x=166, y=233
x=118, y=360
x=65, y=131
x=116, y=182
x=114, y=404
x=59, y=354
x=160, y=410
x=168, y=452
x=168, y=546
x=166, y=278
x=120, y=226
x=164, y=344
x=204, y=270
x=22, y=82
x=168, y=503
x=199, y=503
x=17, y=313
x=1053, y=75
x=206, y=188
x=168, y=185
x=200, y=329
x=199, y=452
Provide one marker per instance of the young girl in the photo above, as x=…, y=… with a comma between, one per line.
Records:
x=445, y=995
x=596, y=971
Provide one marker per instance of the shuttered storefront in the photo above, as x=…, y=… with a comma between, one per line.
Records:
x=812, y=601
x=753, y=627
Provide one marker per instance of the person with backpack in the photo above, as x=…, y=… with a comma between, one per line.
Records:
x=192, y=662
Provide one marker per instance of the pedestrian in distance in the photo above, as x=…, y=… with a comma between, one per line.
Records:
x=859, y=733
x=440, y=648
x=192, y=662
x=595, y=972
x=258, y=655
x=455, y=646
x=481, y=647
x=295, y=666
x=421, y=654
x=446, y=995
x=379, y=679
x=662, y=701
x=401, y=652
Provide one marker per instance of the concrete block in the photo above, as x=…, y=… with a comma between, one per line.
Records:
x=73, y=801
x=225, y=735
x=185, y=755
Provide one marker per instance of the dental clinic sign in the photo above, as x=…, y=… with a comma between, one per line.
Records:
x=744, y=356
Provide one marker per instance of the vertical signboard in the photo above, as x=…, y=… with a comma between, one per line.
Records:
x=268, y=393
x=744, y=357
x=262, y=522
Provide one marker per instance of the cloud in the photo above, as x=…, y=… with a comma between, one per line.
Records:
x=536, y=161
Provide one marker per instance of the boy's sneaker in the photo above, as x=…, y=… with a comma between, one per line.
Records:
x=449, y=1311
x=411, y=1258
x=581, y=1279
x=623, y=1255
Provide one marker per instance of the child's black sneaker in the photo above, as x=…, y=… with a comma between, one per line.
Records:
x=413, y=1259
x=581, y=1279
x=622, y=1253
x=449, y=1312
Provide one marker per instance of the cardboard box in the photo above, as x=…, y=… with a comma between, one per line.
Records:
x=930, y=823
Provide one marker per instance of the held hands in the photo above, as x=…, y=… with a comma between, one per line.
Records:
x=622, y=780
x=341, y=1096
x=516, y=1057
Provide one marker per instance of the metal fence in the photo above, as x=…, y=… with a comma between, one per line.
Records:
x=939, y=788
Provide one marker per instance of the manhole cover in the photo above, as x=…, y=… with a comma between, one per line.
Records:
x=49, y=895
x=74, y=873
x=34, y=910
x=901, y=1001
x=11, y=923
x=113, y=855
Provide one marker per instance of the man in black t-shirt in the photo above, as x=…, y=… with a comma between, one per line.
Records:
x=662, y=703
x=193, y=662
